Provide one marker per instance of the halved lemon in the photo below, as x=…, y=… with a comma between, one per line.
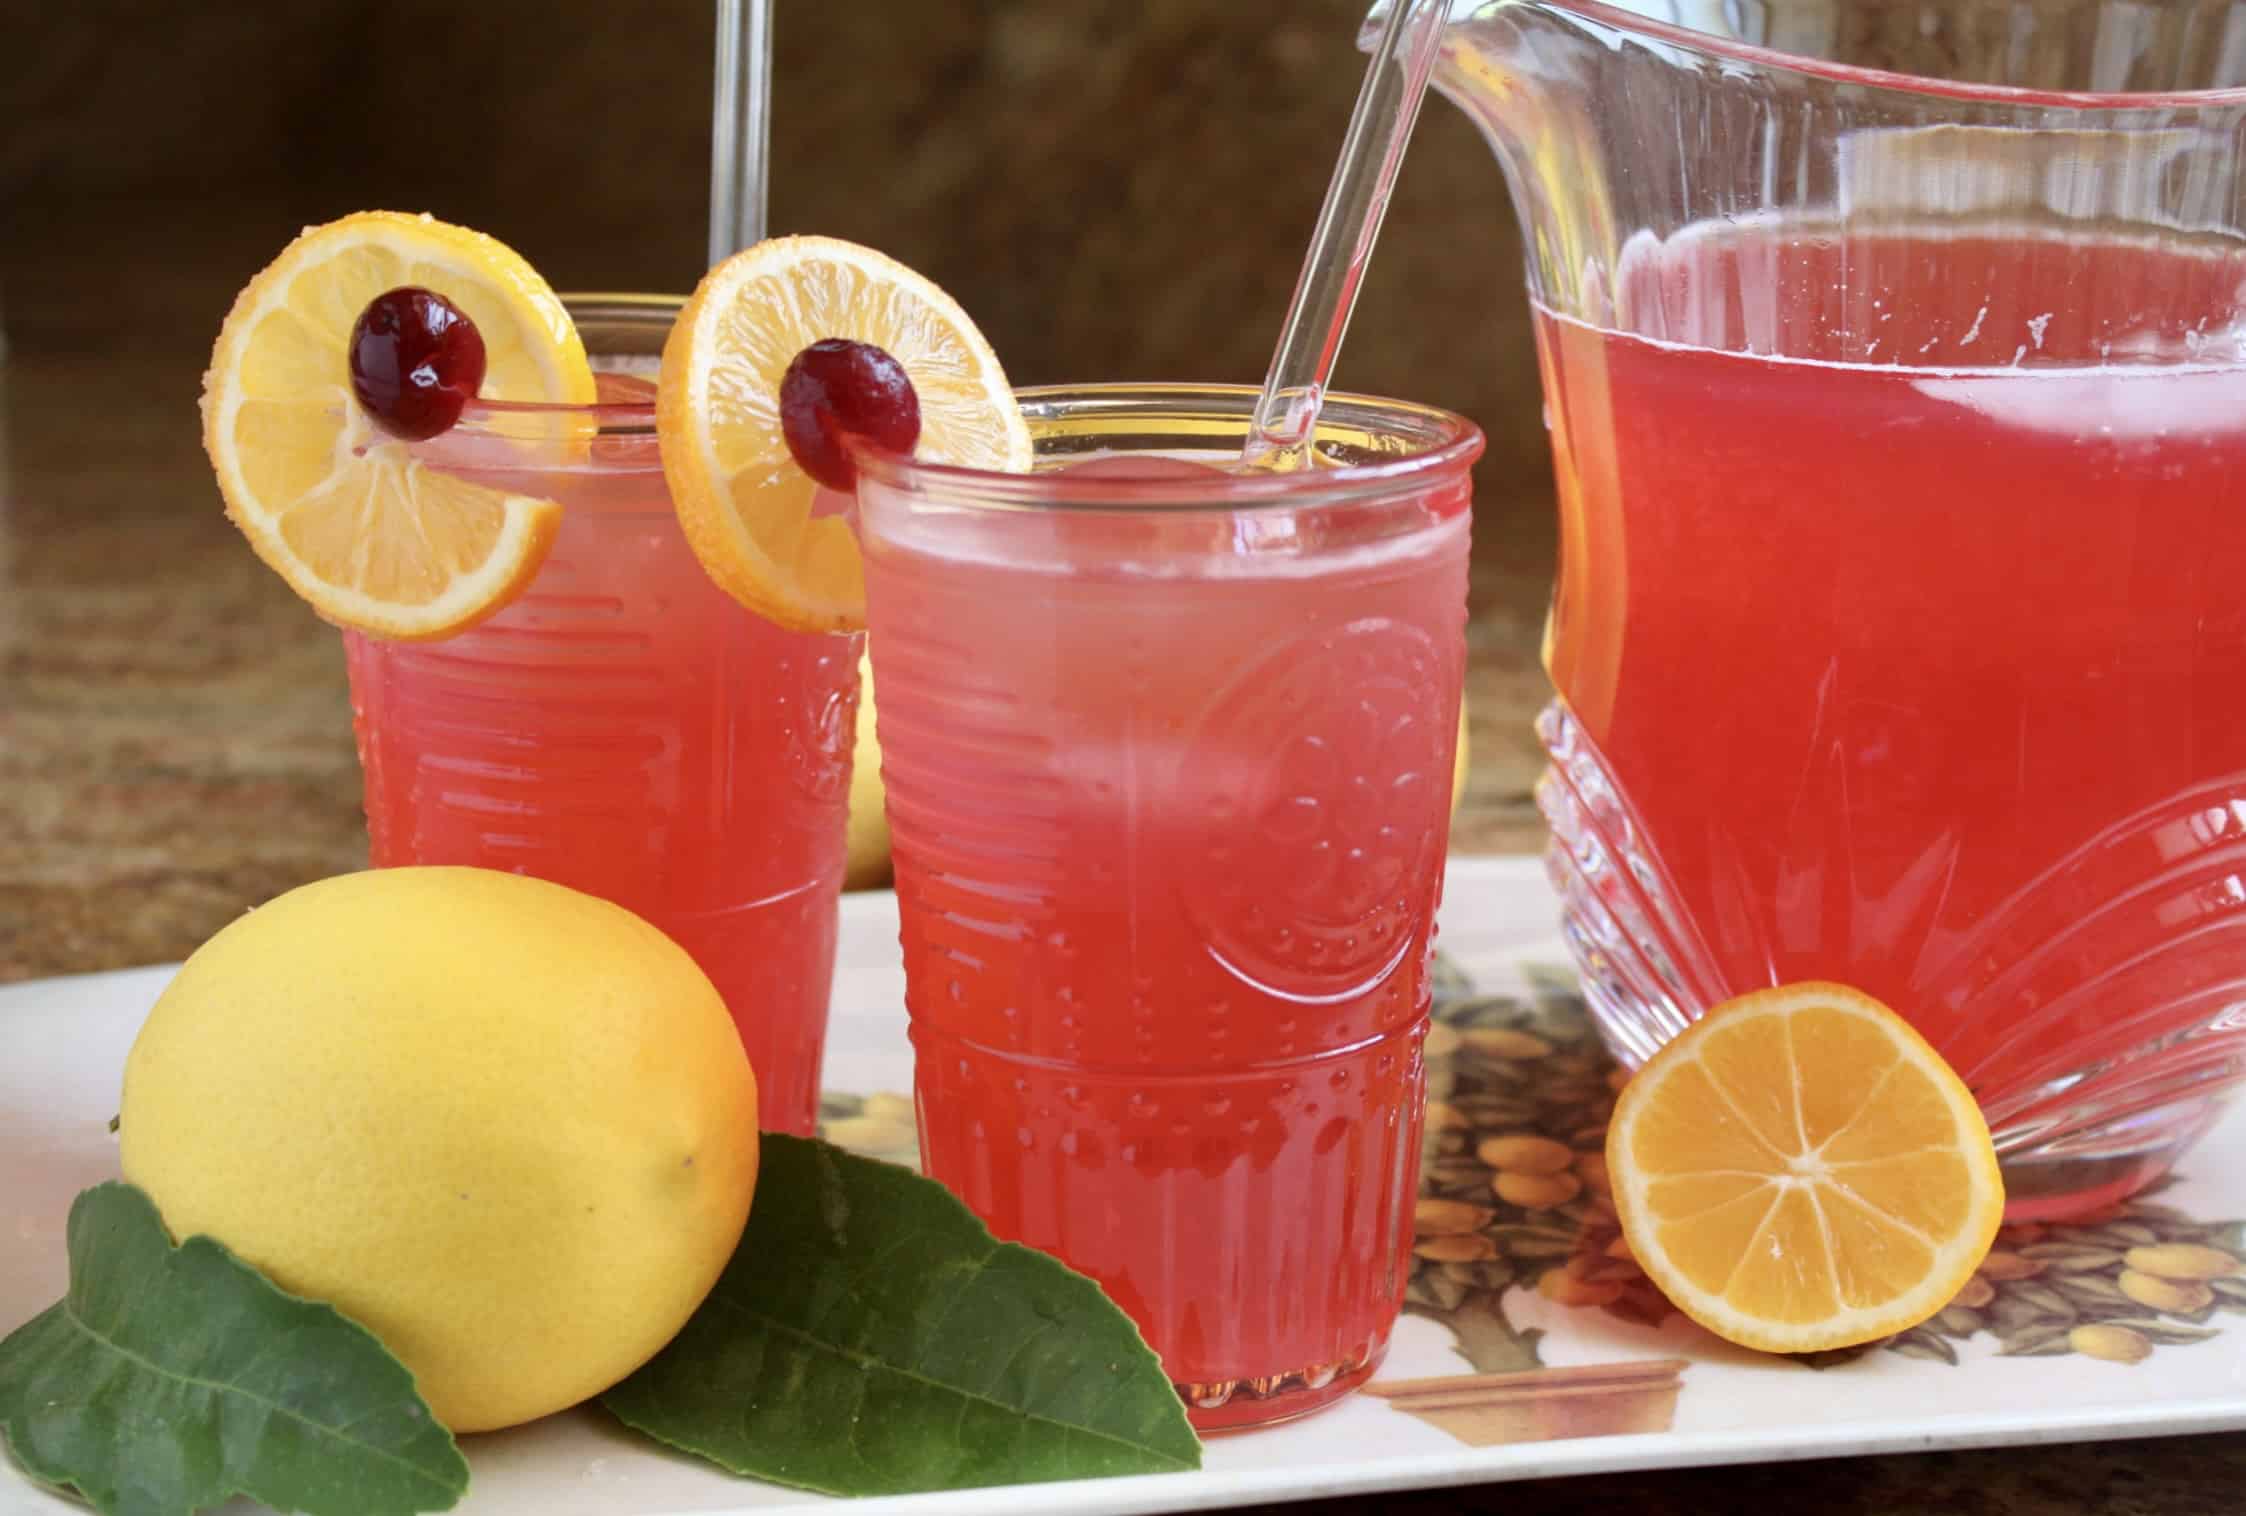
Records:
x=1799, y=1171
x=348, y=514
x=744, y=503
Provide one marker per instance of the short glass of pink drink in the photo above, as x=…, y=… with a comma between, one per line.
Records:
x=624, y=727
x=1167, y=751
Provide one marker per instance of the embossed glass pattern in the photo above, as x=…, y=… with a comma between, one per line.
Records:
x=1168, y=765
x=624, y=727
x=1892, y=357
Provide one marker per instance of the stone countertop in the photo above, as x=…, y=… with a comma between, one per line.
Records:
x=175, y=738
x=175, y=745
x=175, y=734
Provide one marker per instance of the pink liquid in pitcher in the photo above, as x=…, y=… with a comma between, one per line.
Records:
x=1917, y=659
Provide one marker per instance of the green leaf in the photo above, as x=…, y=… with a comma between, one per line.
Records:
x=172, y=1378
x=871, y=1337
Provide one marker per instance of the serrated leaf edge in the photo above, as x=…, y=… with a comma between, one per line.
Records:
x=835, y=1158
x=324, y=1432
x=867, y=1362
x=204, y=1242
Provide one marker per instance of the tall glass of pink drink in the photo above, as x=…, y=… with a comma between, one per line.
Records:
x=624, y=727
x=1167, y=753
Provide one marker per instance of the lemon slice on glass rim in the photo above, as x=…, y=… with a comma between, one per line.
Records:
x=348, y=514
x=1799, y=1170
x=745, y=504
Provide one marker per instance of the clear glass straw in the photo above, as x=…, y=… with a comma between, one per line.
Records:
x=1342, y=244
x=740, y=125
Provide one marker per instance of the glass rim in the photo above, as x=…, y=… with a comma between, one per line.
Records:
x=1893, y=81
x=489, y=417
x=1457, y=443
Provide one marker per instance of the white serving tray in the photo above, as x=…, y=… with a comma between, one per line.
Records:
x=1563, y=1389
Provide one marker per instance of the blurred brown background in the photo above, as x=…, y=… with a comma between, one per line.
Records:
x=1115, y=189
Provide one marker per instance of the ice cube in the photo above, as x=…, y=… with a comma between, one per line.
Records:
x=623, y=389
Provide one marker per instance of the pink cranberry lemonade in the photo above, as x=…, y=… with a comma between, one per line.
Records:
x=625, y=728
x=1915, y=659
x=1167, y=760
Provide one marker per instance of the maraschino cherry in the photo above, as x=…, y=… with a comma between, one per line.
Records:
x=837, y=390
x=416, y=361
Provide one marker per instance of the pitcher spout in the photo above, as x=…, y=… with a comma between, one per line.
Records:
x=1520, y=70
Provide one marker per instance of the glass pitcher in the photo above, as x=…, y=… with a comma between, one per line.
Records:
x=1893, y=365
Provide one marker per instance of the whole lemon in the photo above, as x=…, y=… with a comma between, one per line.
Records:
x=1459, y=759
x=868, y=828
x=507, y=1127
